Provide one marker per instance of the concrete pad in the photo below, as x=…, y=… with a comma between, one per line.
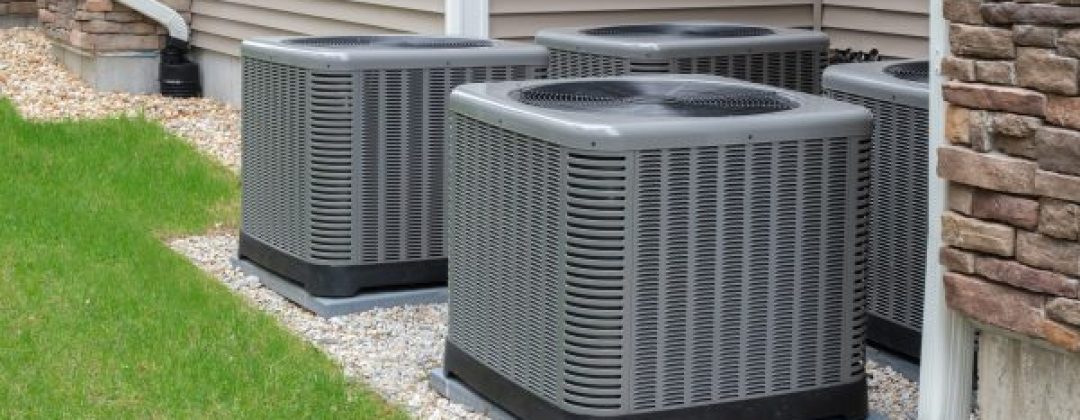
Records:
x=331, y=307
x=127, y=71
x=905, y=367
x=456, y=391
x=18, y=21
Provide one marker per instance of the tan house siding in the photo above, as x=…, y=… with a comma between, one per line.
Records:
x=895, y=27
x=220, y=25
x=521, y=19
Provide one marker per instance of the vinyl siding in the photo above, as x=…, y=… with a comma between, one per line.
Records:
x=895, y=27
x=220, y=25
x=522, y=18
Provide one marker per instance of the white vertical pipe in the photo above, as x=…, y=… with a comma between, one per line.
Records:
x=948, y=343
x=162, y=14
x=819, y=15
x=467, y=18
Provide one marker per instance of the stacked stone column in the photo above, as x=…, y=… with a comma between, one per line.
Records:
x=1013, y=164
x=104, y=25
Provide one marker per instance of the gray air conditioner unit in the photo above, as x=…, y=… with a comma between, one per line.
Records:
x=343, y=153
x=897, y=93
x=641, y=246
x=788, y=58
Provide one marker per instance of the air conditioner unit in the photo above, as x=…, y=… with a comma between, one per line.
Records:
x=789, y=58
x=897, y=93
x=343, y=153
x=657, y=245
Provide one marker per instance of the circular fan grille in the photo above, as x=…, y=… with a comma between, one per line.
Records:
x=681, y=31
x=417, y=42
x=667, y=98
x=917, y=71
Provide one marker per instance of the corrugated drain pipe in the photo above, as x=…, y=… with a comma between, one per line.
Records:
x=179, y=76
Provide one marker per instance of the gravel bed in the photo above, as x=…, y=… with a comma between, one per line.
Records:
x=42, y=90
x=392, y=350
x=891, y=394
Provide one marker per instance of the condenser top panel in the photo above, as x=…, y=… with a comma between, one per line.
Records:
x=392, y=51
x=661, y=111
x=901, y=81
x=681, y=39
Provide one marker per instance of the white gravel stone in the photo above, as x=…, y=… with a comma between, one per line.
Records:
x=43, y=90
x=891, y=394
x=391, y=350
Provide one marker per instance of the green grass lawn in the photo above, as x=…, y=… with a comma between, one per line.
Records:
x=99, y=319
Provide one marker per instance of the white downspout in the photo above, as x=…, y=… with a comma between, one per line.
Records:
x=948, y=344
x=467, y=18
x=819, y=15
x=165, y=15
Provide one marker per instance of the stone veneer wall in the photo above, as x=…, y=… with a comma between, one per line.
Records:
x=1012, y=231
x=104, y=25
x=1013, y=166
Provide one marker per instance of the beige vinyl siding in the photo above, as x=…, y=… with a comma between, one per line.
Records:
x=220, y=25
x=895, y=27
x=522, y=18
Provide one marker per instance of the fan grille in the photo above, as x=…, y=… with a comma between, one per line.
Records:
x=416, y=42
x=916, y=71
x=680, y=99
x=681, y=31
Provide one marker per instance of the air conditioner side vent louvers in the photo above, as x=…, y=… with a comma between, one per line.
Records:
x=273, y=210
x=344, y=153
x=594, y=298
x=897, y=222
x=330, y=158
x=506, y=182
x=692, y=276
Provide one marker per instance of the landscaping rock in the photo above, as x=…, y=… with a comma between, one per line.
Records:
x=42, y=90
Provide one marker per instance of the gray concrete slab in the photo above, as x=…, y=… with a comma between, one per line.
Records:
x=456, y=391
x=902, y=365
x=18, y=21
x=331, y=307
x=127, y=71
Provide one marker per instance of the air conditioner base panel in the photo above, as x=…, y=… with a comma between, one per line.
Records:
x=344, y=280
x=894, y=337
x=329, y=307
x=466, y=381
